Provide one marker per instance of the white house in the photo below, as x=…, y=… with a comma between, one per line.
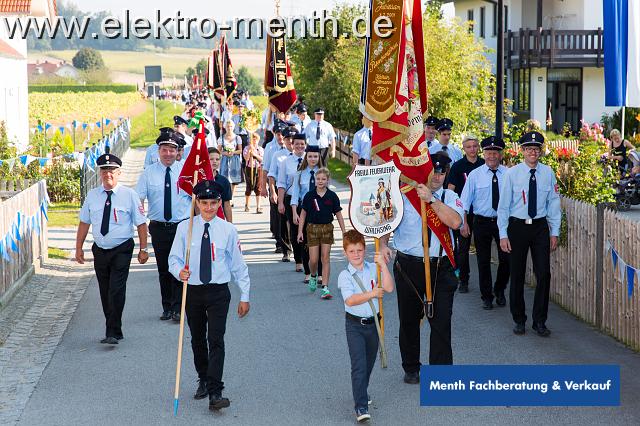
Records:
x=553, y=56
x=13, y=68
x=49, y=68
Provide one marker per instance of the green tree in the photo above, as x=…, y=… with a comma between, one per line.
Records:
x=248, y=82
x=88, y=59
x=460, y=85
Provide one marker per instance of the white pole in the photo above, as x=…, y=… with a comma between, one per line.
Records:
x=624, y=111
x=154, y=104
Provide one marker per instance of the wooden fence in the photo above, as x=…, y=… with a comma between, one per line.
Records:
x=582, y=277
x=572, y=144
x=16, y=266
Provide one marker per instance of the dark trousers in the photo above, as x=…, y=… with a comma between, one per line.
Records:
x=280, y=228
x=207, y=309
x=522, y=238
x=485, y=232
x=363, y=349
x=170, y=288
x=298, y=248
x=462, y=255
x=410, y=277
x=112, y=271
x=323, y=154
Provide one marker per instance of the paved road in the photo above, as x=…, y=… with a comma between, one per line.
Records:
x=287, y=362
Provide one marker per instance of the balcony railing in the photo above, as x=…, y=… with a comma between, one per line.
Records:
x=554, y=48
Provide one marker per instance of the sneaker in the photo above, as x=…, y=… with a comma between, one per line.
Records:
x=326, y=294
x=362, y=415
x=313, y=283
x=369, y=400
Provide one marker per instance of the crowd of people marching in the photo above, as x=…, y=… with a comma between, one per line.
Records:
x=477, y=198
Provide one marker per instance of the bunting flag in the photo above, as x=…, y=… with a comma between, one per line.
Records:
x=631, y=275
x=84, y=126
x=47, y=126
x=202, y=166
x=228, y=76
x=107, y=121
x=278, y=81
x=394, y=97
x=61, y=128
x=614, y=259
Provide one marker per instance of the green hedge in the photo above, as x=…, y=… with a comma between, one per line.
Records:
x=62, y=88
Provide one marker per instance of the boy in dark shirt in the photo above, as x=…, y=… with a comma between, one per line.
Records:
x=318, y=208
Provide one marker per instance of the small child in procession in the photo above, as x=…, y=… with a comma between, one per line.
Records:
x=362, y=335
x=318, y=208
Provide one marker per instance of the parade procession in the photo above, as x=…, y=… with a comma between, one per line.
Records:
x=252, y=262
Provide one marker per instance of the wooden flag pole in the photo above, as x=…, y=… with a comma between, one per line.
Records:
x=183, y=304
x=427, y=262
x=379, y=278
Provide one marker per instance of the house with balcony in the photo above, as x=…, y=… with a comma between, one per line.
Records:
x=14, y=86
x=553, y=56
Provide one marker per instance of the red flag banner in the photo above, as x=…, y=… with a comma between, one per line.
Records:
x=197, y=161
x=400, y=138
x=278, y=80
x=228, y=76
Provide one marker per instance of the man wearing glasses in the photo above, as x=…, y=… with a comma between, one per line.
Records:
x=529, y=218
x=112, y=210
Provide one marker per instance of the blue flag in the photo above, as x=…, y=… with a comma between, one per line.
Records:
x=614, y=259
x=621, y=52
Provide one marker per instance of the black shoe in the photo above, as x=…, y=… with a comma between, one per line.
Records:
x=175, y=316
x=541, y=329
x=500, y=299
x=519, y=328
x=285, y=258
x=201, y=393
x=278, y=250
x=216, y=402
x=487, y=305
x=463, y=288
x=109, y=340
x=166, y=315
x=412, y=378
x=118, y=338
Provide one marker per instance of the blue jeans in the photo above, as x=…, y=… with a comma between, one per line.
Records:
x=363, y=349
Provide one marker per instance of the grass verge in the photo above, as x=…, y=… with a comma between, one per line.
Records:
x=143, y=131
x=339, y=170
x=56, y=253
x=63, y=215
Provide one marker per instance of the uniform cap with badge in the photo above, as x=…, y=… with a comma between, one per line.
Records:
x=431, y=121
x=178, y=120
x=444, y=124
x=319, y=111
x=440, y=162
x=301, y=108
x=174, y=139
x=108, y=161
x=208, y=190
x=492, y=143
x=312, y=148
x=297, y=136
x=532, y=139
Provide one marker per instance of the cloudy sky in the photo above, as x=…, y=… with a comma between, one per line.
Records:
x=218, y=9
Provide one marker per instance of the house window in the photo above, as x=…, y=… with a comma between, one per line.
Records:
x=521, y=89
x=470, y=19
x=506, y=17
x=482, y=22
x=495, y=20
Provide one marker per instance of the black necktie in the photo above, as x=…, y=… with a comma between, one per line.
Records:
x=205, y=256
x=429, y=144
x=299, y=161
x=370, y=135
x=106, y=213
x=167, y=195
x=312, y=180
x=445, y=148
x=318, y=132
x=495, y=194
x=533, y=194
x=301, y=126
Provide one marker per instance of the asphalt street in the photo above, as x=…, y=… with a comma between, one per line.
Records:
x=287, y=361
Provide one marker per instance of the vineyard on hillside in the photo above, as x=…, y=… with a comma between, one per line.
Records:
x=63, y=108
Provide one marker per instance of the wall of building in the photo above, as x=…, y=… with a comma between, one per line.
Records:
x=539, y=95
x=593, y=95
x=14, y=92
